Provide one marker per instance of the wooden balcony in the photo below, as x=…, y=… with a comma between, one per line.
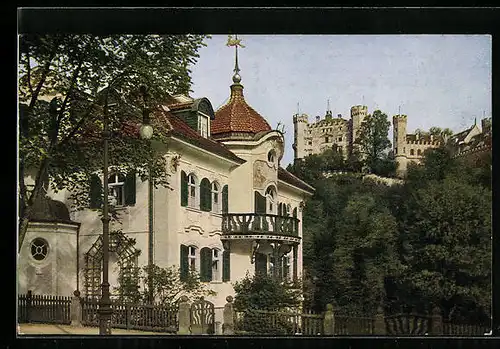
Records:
x=259, y=226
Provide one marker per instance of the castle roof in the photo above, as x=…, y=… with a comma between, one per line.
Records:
x=236, y=116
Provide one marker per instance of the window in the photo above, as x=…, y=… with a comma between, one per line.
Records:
x=419, y=152
x=288, y=210
x=121, y=190
x=39, y=249
x=216, y=265
x=404, y=150
x=270, y=198
x=327, y=139
x=271, y=156
x=192, y=191
x=286, y=267
x=116, y=184
x=310, y=142
x=412, y=152
x=216, y=197
x=203, y=126
x=340, y=139
x=192, y=258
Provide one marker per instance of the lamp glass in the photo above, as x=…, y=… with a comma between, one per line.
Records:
x=146, y=131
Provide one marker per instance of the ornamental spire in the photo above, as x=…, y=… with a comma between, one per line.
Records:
x=235, y=42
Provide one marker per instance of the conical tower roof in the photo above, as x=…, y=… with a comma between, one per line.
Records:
x=236, y=116
x=236, y=119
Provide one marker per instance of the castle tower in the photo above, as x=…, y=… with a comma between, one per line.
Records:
x=358, y=114
x=399, y=142
x=299, y=133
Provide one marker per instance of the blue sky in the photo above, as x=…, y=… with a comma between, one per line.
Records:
x=437, y=80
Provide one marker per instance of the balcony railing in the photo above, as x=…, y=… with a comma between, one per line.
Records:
x=255, y=223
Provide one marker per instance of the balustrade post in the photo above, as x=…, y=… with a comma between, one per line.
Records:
x=437, y=322
x=295, y=267
x=329, y=321
x=76, y=309
x=379, y=322
x=184, y=316
x=228, y=317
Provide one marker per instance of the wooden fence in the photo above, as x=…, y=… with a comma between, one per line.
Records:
x=44, y=308
x=155, y=317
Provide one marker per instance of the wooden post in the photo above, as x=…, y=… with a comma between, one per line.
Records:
x=76, y=310
x=329, y=321
x=379, y=322
x=184, y=316
x=29, y=300
x=437, y=322
x=128, y=316
x=228, y=317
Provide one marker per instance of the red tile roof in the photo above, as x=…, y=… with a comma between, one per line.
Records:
x=238, y=116
x=289, y=178
x=182, y=130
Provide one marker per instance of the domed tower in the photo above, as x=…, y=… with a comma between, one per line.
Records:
x=358, y=114
x=399, y=142
x=300, y=123
x=236, y=120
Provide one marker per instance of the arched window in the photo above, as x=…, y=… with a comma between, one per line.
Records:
x=288, y=210
x=412, y=152
x=205, y=195
x=271, y=199
x=419, y=152
x=193, y=190
x=271, y=156
x=216, y=201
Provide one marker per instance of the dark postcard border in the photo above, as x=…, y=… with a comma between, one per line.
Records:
x=264, y=21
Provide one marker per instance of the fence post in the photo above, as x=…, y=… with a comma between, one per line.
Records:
x=228, y=316
x=76, y=309
x=29, y=300
x=329, y=321
x=184, y=316
x=437, y=322
x=379, y=322
x=128, y=315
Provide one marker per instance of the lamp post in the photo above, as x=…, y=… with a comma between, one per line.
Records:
x=146, y=132
x=105, y=310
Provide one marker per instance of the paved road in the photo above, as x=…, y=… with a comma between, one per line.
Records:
x=29, y=329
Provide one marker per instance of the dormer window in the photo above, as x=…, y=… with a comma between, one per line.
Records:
x=203, y=125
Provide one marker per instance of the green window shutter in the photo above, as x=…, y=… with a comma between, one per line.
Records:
x=226, y=266
x=205, y=195
x=260, y=203
x=184, y=262
x=206, y=264
x=184, y=189
x=260, y=264
x=295, y=223
x=225, y=199
x=95, y=191
x=130, y=189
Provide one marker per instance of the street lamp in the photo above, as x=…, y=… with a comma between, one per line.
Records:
x=105, y=310
x=146, y=132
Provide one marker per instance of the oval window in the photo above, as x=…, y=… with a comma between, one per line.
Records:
x=39, y=249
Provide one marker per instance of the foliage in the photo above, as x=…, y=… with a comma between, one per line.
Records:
x=411, y=246
x=166, y=282
x=373, y=141
x=67, y=82
x=263, y=292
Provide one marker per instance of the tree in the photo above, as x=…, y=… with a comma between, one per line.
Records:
x=67, y=82
x=448, y=247
x=372, y=140
x=167, y=285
